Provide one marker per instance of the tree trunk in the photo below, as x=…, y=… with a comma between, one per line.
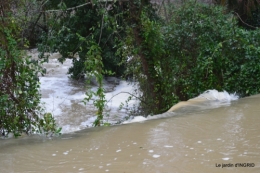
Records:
x=147, y=65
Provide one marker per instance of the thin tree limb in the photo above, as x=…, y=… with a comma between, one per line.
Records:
x=68, y=9
x=244, y=22
x=101, y=32
x=126, y=93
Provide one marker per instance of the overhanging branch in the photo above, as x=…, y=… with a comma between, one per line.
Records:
x=244, y=22
x=68, y=9
x=82, y=5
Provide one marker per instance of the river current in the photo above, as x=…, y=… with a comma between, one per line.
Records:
x=203, y=137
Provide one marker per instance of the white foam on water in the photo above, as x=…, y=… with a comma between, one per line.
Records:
x=226, y=158
x=168, y=146
x=217, y=96
x=120, y=94
x=58, y=96
x=89, y=122
x=69, y=128
x=156, y=156
x=59, y=93
x=214, y=99
x=135, y=119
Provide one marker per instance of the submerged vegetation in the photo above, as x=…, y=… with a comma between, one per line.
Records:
x=174, y=52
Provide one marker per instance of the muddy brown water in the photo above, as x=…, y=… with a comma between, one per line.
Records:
x=202, y=140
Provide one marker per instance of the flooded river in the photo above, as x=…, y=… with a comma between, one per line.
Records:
x=193, y=139
x=209, y=136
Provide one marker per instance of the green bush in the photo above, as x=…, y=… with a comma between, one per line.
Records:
x=20, y=109
x=91, y=22
x=211, y=51
x=201, y=48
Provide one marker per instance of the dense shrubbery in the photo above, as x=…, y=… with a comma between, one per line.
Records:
x=91, y=22
x=201, y=48
x=19, y=95
x=20, y=109
x=211, y=51
x=90, y=30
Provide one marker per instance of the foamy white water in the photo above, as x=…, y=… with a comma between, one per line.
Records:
x=215, y=95
x=207, y=100
x=63, y=97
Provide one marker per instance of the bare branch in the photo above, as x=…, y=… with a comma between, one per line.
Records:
x=244, y=22
x=103, y=15
x=126, y=93
x=68, y=9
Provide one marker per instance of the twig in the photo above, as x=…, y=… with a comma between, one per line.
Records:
x=160, y=6
x=244, y=22
x=102, y=25
x=68, y=9
x=126, y=93
x=44, y=3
